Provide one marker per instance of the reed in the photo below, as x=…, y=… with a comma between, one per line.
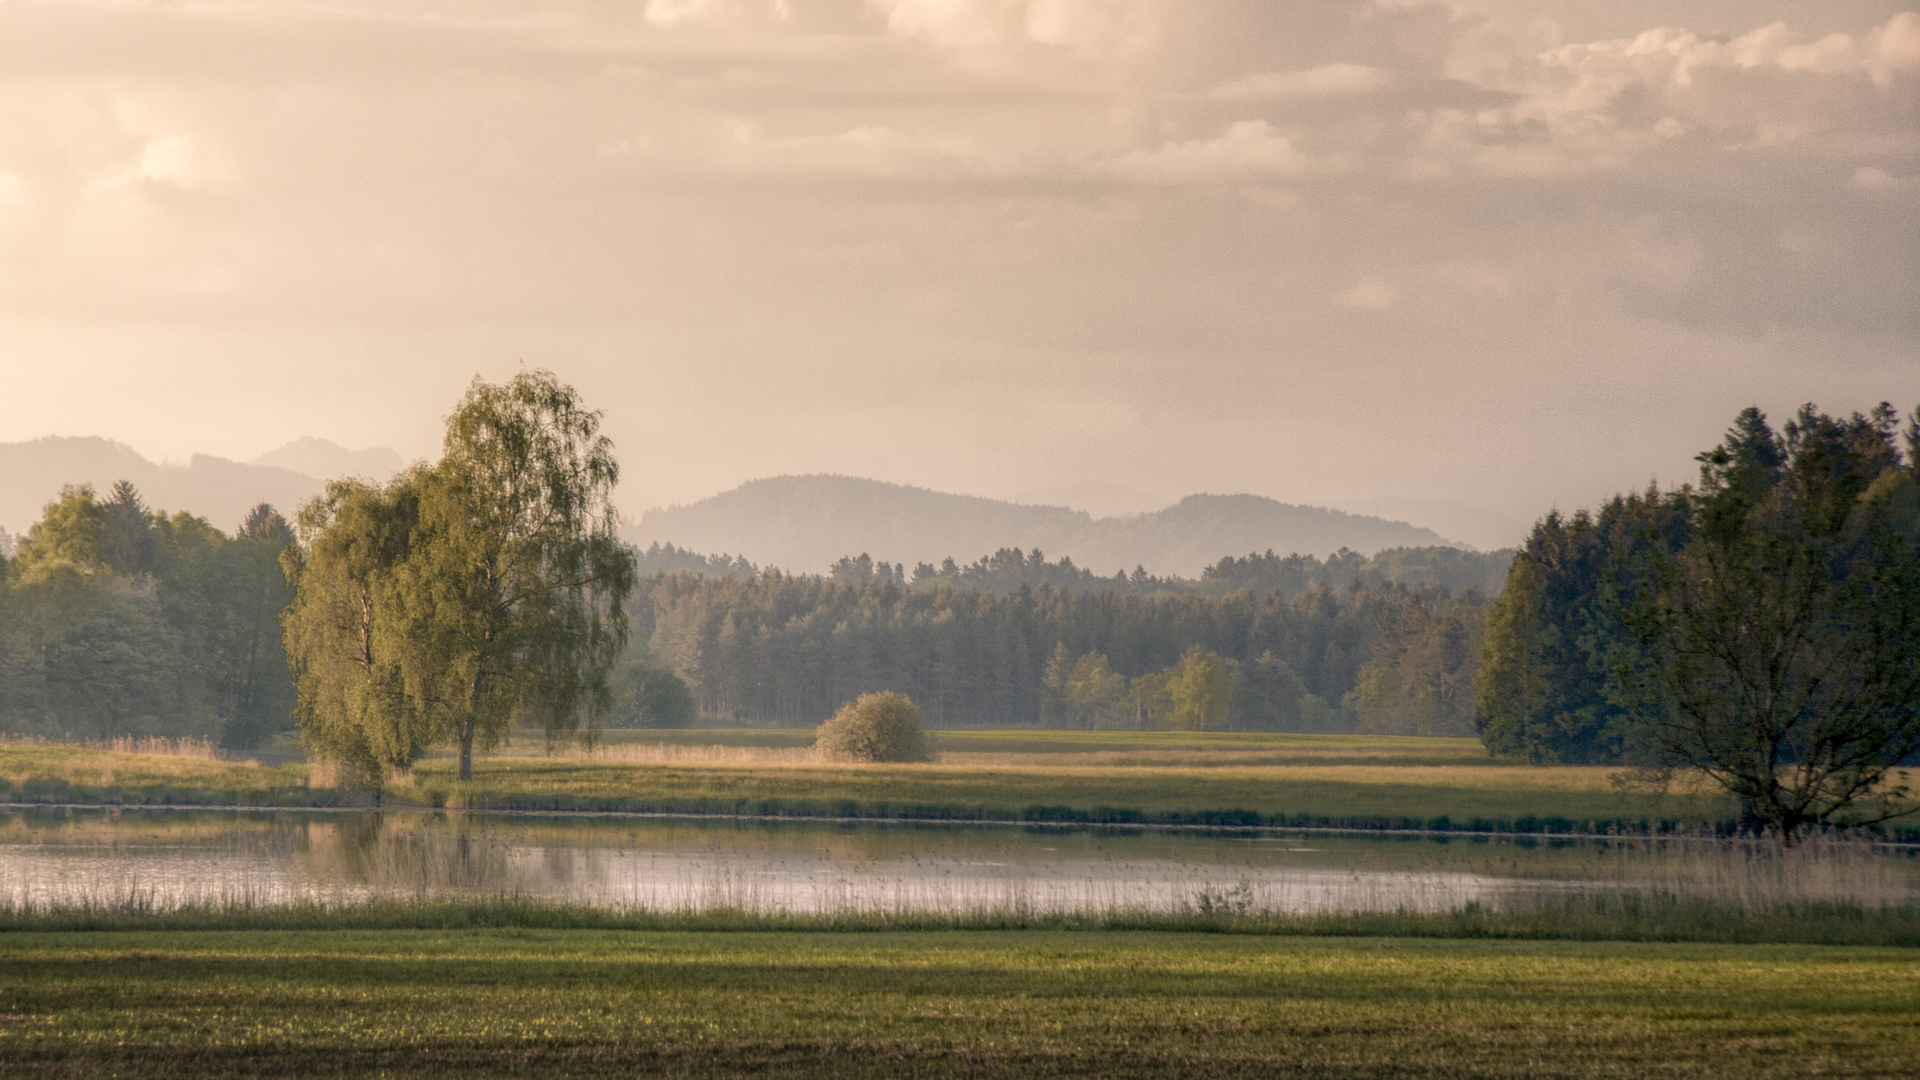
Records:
x=186, y=746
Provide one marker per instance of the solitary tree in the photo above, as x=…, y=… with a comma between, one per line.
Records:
x=511, y=600
x=1778, y=650
x=466, y=596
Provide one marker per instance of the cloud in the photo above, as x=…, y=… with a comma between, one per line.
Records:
x=743, y=214
x=1326, y=80
x=1101, y=28
x=1873, y=178
x=1248, y=149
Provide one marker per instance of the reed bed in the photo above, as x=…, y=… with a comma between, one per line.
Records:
x=627, y=753
x=186, y=746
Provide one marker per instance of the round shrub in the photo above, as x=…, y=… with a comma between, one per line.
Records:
x=874, y=727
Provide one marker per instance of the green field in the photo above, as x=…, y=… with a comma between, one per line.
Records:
x=1007, y=775
x=1034, y=1003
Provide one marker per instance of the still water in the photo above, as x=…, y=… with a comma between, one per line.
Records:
x=66, y=857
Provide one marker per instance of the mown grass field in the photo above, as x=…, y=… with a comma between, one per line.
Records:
x=534, y=1003
x=1017, y=775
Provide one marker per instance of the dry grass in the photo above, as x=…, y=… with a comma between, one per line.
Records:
x=144, y=745
x=626, y=753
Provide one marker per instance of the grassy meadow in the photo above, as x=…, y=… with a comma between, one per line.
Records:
x=1358, y=781
x=532, y=1003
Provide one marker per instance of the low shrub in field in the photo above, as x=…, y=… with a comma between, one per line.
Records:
x=874, y=727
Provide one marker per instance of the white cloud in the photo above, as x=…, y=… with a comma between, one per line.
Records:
x=1326, y=80
x=1107, y=28
x=1247, y=149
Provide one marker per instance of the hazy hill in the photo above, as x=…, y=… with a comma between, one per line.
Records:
x=804, y=523
x=1486, y=529
x=222, y=491
x=318, y=457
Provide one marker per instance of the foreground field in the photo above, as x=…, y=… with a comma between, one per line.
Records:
x=579, y=1002
x=1014, y=775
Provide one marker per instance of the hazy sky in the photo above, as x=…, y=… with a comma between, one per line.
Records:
x=1513, y=253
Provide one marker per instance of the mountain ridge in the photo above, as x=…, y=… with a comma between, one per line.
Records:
x=804, y=522
x=216, y=488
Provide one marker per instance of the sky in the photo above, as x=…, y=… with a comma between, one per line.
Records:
x=1515, y=254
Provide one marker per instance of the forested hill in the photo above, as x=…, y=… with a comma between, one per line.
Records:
x=805, y=523
x=221, y=491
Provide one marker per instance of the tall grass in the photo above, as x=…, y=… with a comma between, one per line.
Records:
x=665, y=753
x=186, y=746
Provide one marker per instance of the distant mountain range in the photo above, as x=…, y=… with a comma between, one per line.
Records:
x=804, y=523
x=222, y=491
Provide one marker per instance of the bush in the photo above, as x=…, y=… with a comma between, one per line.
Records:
x=650, y=696
x=874, y=727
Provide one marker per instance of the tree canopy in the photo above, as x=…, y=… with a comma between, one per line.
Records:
x=467, y=596
x=120, y=620
x=1777, y=650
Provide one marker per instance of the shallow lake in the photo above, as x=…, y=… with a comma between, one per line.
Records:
x=66, y=857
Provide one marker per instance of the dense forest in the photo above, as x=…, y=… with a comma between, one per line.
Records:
x=120, y=620
x=779, y=648
x=1831, y=500
x=116, y=619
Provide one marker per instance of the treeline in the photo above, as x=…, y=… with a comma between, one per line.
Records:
x=787, y=649
x=120, y=620
x=1010, y=568
x=1815, y=528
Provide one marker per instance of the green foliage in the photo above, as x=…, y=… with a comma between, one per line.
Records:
x=874, y=727
x=1199, y=692
x=1513, y=687
x=1448, y=568
x=468, y=596
x=648, y=694
x=1268, y=696
x=667, y=559
x=1010, y=568
x=781, y=648
x=116, y=620
x=343, y=629
x=509, y=600
x=1420, y=680
x=1778, y=649
x=1084, y=693
x=1543, y=689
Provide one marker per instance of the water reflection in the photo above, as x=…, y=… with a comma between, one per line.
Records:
x=164, y=860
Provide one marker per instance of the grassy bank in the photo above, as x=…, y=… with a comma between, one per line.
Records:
x=1369, y=782
x=1595, y=918
x=534, y=1002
